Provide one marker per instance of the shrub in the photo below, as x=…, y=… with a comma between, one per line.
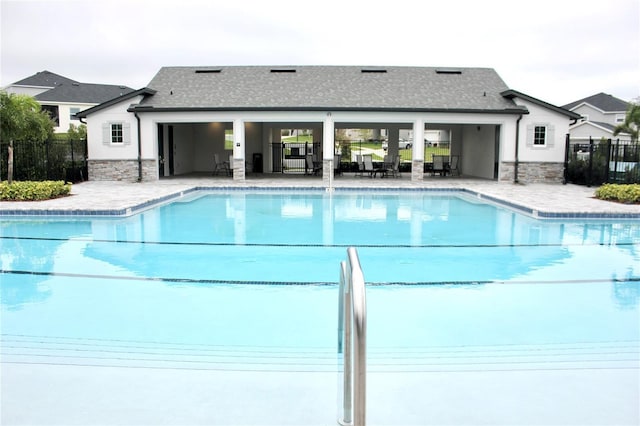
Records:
x=33, y=191
x=629, y=194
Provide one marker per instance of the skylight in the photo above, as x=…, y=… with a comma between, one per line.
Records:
x=448, y=71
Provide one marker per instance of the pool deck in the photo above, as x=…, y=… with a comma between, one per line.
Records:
x=122, y=198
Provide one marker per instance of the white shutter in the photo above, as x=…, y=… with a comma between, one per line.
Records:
x=529, y=135
x=551, y=135
x=126, y=133
x=106, y=134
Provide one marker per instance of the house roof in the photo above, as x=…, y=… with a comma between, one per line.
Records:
x=511, y=94
x=609, y=128
x=328, y=87
x=124, y=97
x=602, y=101
x=83, y=93
x=44, y=79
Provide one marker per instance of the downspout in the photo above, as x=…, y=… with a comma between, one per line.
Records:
x=515, y=169
x=139, y=150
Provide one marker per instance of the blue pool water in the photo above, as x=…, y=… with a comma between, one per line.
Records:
x=247, y=281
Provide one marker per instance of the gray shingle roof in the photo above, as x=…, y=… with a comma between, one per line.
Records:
x=602, y=101
x=44, y=79
x=83, y=93
x=329, y=87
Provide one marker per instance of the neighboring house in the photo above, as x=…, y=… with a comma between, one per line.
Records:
x=600, y=114
x=63, y=97
x=187, y=114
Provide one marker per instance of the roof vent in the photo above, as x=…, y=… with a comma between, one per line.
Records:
x=373, y=71
x=448, y=71
x=75, y=84
x=209, y=71
x=283, y=70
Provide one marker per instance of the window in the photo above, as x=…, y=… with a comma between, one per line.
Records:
x=52, y=110
x=116, y=133
x=540, y=135
x=72, y=112
x=620, y=118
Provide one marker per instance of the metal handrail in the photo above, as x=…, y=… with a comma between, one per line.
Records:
x=352, y=318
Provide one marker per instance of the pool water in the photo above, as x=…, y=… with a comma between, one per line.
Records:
x=248, y=281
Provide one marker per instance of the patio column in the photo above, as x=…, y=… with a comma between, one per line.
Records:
x=392, y=142
x=238, y=150
x=417, y=158
x=328, y=149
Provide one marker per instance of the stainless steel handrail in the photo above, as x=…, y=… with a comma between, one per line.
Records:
x=352, y=318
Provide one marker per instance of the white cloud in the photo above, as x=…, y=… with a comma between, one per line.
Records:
x=557, y=51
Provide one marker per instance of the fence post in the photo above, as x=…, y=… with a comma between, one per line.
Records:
x=608, y=159
x=567, y=146
x=46, y=158
x=590, y=171
x=73, y=163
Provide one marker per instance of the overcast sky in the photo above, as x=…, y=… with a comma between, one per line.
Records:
x=555, y=50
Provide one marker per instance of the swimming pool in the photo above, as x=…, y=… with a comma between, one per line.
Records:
x=246, y=281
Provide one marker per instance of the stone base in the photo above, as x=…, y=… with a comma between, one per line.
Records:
x=533, y=172
x=417, y=170
x=122, y=170
x=238, y=169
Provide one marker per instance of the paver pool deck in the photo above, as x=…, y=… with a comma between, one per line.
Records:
x=74, y=395
x=549, y=199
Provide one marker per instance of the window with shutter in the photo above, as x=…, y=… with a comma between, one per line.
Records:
x=539, y=135
x=116, y=133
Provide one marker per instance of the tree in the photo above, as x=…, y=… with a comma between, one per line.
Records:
x=21, y=119
x=631, y=123
x=77, y=133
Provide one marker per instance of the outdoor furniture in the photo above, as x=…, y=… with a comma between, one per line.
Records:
x=453, y=166
x=368, y=165
x=313, y=167
x=395, y=167
x=221, y=166
x=440, y=164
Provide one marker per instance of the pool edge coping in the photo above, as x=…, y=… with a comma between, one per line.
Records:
x=153, y=202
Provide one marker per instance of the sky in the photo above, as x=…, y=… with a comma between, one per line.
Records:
x=558, y=51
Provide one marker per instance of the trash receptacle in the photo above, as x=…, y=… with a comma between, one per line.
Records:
x=257, y=162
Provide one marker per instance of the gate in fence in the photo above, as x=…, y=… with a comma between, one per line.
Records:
x=291, y=157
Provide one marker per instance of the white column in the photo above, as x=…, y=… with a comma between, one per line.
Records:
x=238, y=149
x=328, y=143
x=417, y=159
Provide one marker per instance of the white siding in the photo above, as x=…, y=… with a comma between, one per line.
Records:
x=98, y=150
x=557, y=129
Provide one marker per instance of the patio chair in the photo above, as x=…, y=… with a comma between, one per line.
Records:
x=439, y=165
x=220, y=166
x=312, y=167
x=453, y=167
x=394, y=170
x=368, y=165
x=360, y=165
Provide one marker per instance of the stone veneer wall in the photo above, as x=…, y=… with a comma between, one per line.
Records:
x=417, y=170
x=122, y=170
x=533, y=172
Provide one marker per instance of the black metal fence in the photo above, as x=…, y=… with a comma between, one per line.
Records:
x=349, y=150
x=603, y=161
x=55, y=159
